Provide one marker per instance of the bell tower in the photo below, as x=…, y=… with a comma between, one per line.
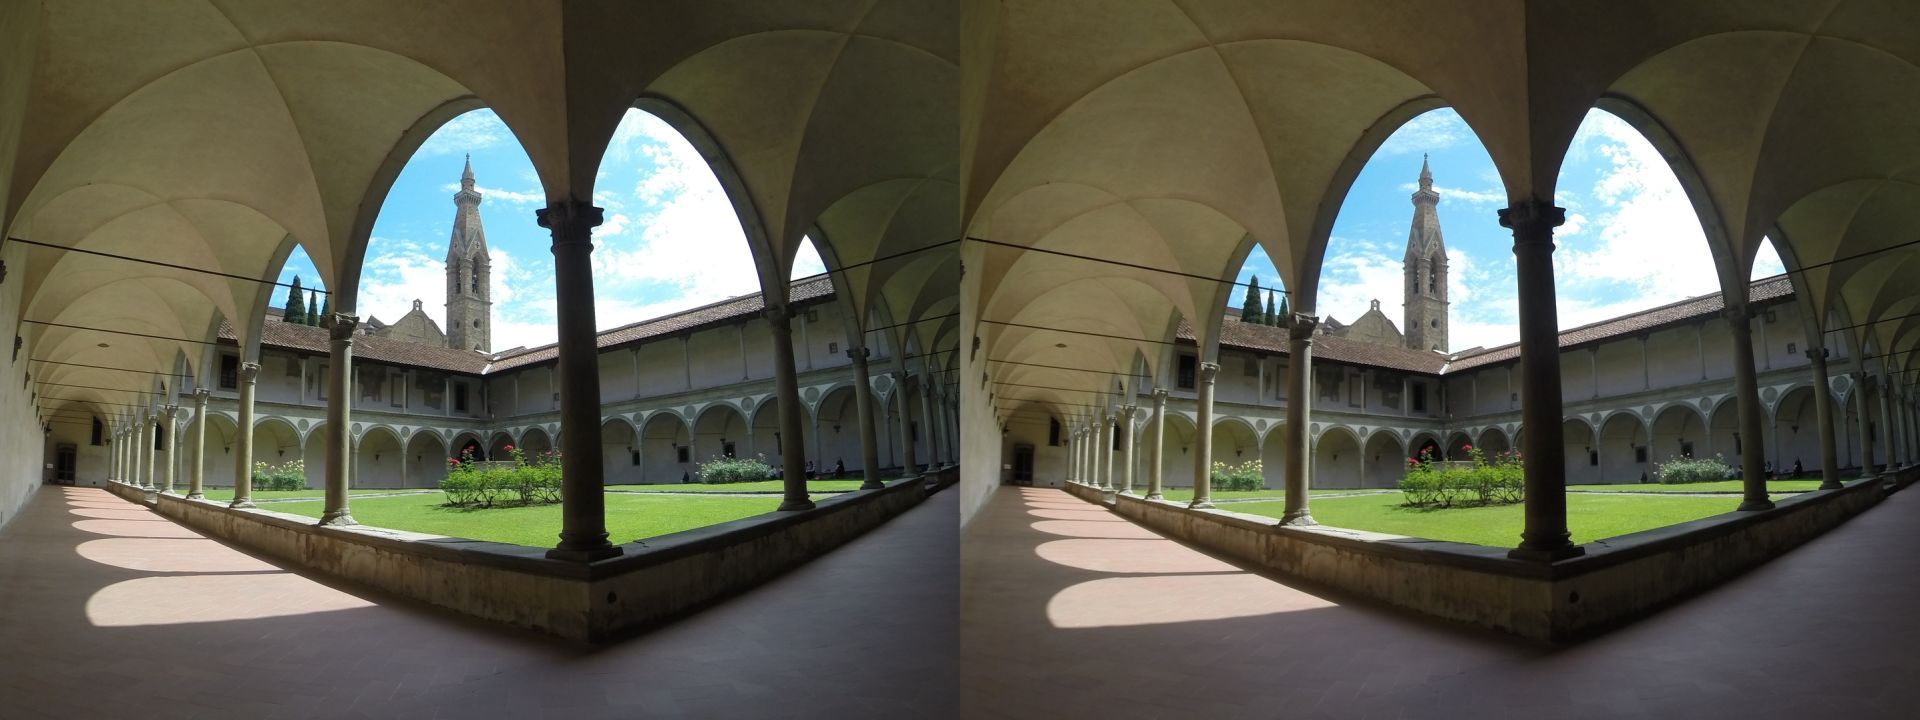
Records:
x=469, y=295
x=1425, y=266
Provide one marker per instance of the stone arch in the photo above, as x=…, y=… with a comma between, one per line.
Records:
x=379, y=461
x=1621, y=442
x=426, y=458
x=221, y=434
x=1234, y=442
x=1337, y=459
x=836, y=430
x=1425, y=441
x=766, y=432
x=1723, y=429
x=1176, y=455
x=535, y=442
x=1493, y=441
x=717, y=428
x=619, y=452
x=468, y=439
x=497, y=447
x=1578, y=440
x=1457, y=443
x=1796, y=432
x=1273, y=456
x=662, y=436
x=1385, y=460
x=1679, y=430
x=313, y=454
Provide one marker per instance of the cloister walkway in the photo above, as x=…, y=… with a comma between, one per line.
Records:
x=113, y=611
x=1071, y=611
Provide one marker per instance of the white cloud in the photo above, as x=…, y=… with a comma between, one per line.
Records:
x=398, y=272
x=1648, y=245
x=510, y=197
x=1767, y=263
x=467, y=133
x=1470, y=197
x=1429, y=132
x=1353, y=276
x=807, y=261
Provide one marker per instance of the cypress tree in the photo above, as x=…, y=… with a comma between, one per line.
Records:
x=326, y=312
x=313, y=308
x=1284, y=313
x=1250, y=309
x=295, y=311
x=1272, y=317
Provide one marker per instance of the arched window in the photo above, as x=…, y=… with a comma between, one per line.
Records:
x=474, y=285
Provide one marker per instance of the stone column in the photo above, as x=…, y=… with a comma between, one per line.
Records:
x=583, y=504
x=1866, y=437
x=1892, y=430
x=1103, y=455
x=339, y=418
x=150, y=426
x=1156, y=447
x=1823, y=414
x=926, y=418
x=1746, y=392
x=1073, y=447
x=909, y=464
x=869, y=443
x=167, y=444
x=1128, y=457
x=1299, y=440
x=243, y=438
x=1203, y=435
x=1080, y=456
x=787, y=386
x=1545, y=538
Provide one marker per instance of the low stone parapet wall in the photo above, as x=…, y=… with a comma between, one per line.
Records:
x=1618, y=580
x=653, y=581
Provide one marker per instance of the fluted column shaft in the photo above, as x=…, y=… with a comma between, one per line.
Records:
x=1545, y=537
x=1203, y=435
x=869, y=441
x=1299, y=440
x=198, y=476
x=1823, y=414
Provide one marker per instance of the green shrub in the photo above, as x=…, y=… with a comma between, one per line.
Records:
x=726, y=470
x=1245, y=476
x=1690, y=470
x=526, y=481
x=290, y=475
x=1499, y=481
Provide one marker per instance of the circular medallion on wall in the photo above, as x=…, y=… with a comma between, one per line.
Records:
x=811, y=394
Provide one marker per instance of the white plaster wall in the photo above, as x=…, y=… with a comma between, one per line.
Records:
x=616, y=376
x=1717, y=344
x=1673, y=358
x=1029, y=427
x=1619, y=368
x=714, y=357
x=662, y=367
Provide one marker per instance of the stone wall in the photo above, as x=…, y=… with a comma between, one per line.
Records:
x=656, y=580
x=1618, y=580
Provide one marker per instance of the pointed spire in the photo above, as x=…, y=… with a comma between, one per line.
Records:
x=466, y=175
x=1426, y=173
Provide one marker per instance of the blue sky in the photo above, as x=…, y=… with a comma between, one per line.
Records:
x=1631, y=242
x=670, y=241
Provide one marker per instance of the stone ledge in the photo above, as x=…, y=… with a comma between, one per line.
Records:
x=654, y=581
x=1618, y=580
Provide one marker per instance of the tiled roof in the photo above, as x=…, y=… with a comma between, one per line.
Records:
x=1267, y=339
x=723, y=311
x=303, y=338
x=1764, y=291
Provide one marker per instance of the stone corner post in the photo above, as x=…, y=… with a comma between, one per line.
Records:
x=1300, y=329
x=583, y=503
x=1203, y=435
x=1545, y=537
x=339, y=415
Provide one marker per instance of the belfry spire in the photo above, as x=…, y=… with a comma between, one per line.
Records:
x=1425, y=266
x=1426, y=173
x=466, y=176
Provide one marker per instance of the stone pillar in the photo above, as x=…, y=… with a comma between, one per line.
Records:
x=909, y=464
x=1545, y=538
x=196, y=491
x=167, y=445
x=149, y=426
x=1823, y=414
x=1080, y=456
x=583, y=503
x=926, y=418
x=787, y=386
x=1106, y=454
x=869, y=443
x=1299, y=439
x=243, y=438
x=1892, y=430
x=1156, y=447
x=1128, y=458
x=1866, y=437
x=1203, y=435
x=1073, y=451
x=339, y=431
x=1746, y=392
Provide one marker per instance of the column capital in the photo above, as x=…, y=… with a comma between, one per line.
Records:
x=1301, y=326
x=1736, y=313
x=1160, y=397
x=572, y=221
x=249, y=372
x=168, y=411
x=1206, y=371
x=778, y=315
x=200, y=397
x=1532, y=222
x=341, y=327
x=858, y=354
x=1817, y=354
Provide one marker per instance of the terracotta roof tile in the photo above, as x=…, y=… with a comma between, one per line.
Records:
x=303, y=338
x=1768, y=290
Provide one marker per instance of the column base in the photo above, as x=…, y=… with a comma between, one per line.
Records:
x=1547, y=555
x=1201, y=504
x=196, y=496
x=241, y=504
x=338, y=518
x=584, y=555
x=1831, y=485
x=872, y=485
x=1754, y=505
x=1299, y=518
x=1155, y=496
x=793, y=505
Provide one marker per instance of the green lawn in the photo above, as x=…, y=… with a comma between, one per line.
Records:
x=1590, y=516
x=1186, y=494
x=768, y=486
x=630, y=516
x=1722, y=486
x=226, y=493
